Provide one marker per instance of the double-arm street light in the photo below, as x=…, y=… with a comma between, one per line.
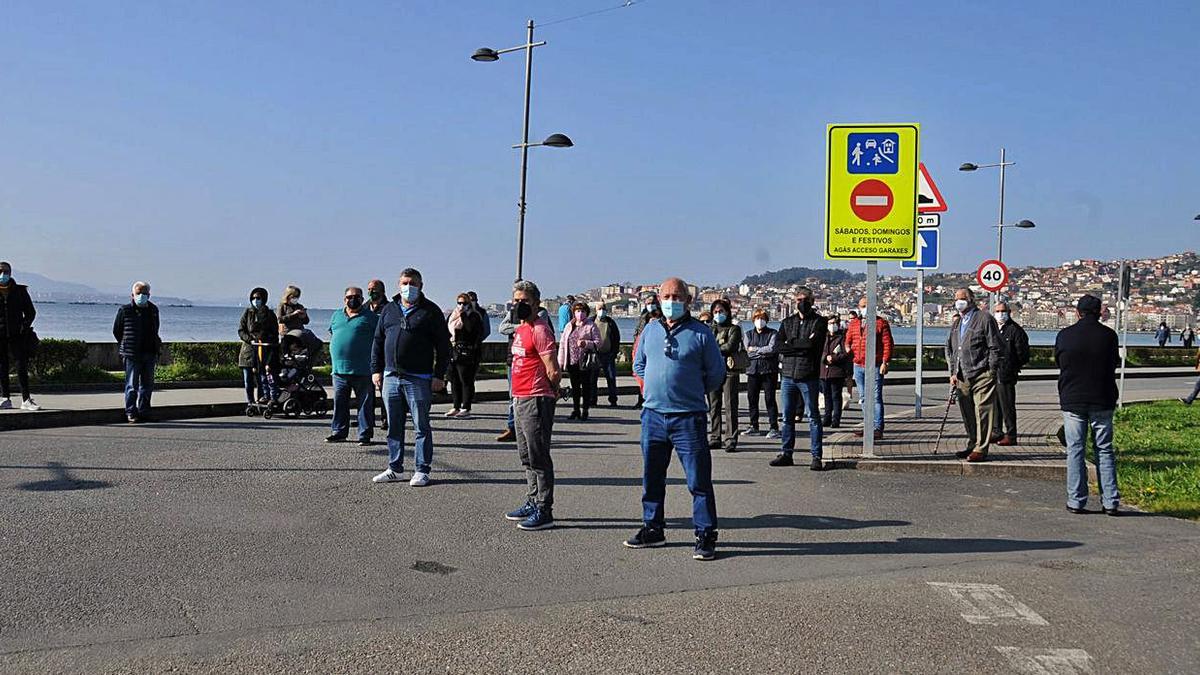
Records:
x=487, y=55
x=1000, y=224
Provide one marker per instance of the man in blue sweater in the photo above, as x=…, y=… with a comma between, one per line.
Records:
x=679, y=363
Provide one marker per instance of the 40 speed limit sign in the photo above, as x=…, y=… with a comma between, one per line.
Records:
x=992, y=275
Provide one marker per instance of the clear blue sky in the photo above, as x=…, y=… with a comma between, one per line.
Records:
x=215, y=146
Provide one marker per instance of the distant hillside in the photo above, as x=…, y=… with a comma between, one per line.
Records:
x=798, y=275
x=45, y=289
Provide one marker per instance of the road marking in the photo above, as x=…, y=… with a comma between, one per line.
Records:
x=989, y=604
x=1048, y=661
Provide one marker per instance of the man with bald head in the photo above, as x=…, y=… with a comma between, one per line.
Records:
x=678, y=361
x=973, y=354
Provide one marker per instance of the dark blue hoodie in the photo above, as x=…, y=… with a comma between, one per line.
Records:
x=409, y=344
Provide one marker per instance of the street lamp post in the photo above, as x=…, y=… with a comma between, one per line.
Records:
x=487, y=55
x=1000, y=224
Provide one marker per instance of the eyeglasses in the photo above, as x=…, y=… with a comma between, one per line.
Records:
x=670, y=347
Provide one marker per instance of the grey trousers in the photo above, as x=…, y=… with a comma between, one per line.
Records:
x=534, y=422
x=1004, y=420
x=977, y=403
x=723, y=411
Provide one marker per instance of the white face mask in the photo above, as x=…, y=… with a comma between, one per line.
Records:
x=760, y=323
x=960, y=305
x=601, y=313
x=1001, y=316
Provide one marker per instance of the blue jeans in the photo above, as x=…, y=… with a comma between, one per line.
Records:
x=262, y=380
x=1195, y=392
x=364, y=396
x=608, y=368
x=860, y=380
x=793, y=391
x=405, y=395
x=139, y=383
x=1075, y=428
x=685, y=433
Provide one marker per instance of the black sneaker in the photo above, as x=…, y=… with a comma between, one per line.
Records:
x=816, y=464
x=1114, y=511
x=963, y=454
x=647, y=537
x=715, y=445
x=782, y=459
x=335, y=439
x=364, y=443
x=706, y=546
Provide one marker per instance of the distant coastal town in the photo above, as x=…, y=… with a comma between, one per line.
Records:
x=1165, y=289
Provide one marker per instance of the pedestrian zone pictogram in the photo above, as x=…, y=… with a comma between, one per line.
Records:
x=875, y=152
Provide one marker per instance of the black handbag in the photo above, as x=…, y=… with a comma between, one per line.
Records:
x=590, y=361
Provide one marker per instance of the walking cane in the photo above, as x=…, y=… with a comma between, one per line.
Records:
x=950, y=400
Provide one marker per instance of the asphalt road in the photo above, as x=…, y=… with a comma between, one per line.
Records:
x=239, y=545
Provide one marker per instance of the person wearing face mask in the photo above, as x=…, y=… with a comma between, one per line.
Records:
x=973, y=353
x=801, y=340
x=352, y=335
x=856, y=343
x=466, y=340
x=678, y=361
x=578, y=339
x=723, y=404
x=408, y=363
x=610, y=346
x=136, y=331
x=259, y=355
x=564, y=313
x=762, y=376
x=376, y=299
x=16, y=334
x=835, y=358
x=1014, y=353
x=535, y=381
x=485, y=321
x=292, y=315
x=650, y=312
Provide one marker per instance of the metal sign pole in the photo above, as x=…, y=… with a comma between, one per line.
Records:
x=1123, y=326
x=920, y=340
x=868, y=406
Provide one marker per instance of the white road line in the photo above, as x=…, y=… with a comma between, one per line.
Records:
x=989, y=604
x=1048, y=661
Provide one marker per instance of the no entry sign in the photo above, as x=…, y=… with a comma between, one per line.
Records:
x=871, y=200
x=992, y=275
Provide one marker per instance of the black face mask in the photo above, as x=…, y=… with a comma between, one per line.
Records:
x=521, y=311
x=376, y=296
x=804, y=306
x=354, y=303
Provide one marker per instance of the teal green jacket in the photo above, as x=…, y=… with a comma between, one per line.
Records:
x=352, y=342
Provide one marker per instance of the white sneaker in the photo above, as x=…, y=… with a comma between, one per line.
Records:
x=464, y=415
x=388, y=476
x=6, y=404
x=419, y=479
x=452, y=413
x=30, y=405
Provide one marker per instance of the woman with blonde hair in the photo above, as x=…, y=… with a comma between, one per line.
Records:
x=292, y=315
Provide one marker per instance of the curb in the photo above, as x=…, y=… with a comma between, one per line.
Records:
x=942, y=468
x=54, y=419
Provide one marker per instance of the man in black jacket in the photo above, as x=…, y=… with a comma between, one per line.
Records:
x=136, y=331
x=1087, y=356
x=1014, y=355
x=800, y=341
x=412, y=352
x=16, y=331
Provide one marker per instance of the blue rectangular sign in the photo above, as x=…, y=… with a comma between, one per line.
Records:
x=873, y=152
x=927, y=247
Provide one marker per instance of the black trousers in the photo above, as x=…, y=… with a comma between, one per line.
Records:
x=462, y=383
x=1004, y=421
x=581, y=387
x=832, y=389
x=17, y=345
x=768, y=385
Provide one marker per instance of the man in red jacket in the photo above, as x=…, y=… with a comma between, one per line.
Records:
x=856, y=343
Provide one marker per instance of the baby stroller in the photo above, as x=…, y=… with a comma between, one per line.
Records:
x=268, y=382
x=299, y=391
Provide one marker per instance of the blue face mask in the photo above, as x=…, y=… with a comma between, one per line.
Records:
x=673, y=309
x=4, y=278
x=409, y=293
x=257, y=303
x=141, y=299
x=721, y=317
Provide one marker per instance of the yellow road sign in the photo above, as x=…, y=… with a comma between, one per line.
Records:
x=871, y=191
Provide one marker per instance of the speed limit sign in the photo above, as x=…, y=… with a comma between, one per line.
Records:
x=992, y=275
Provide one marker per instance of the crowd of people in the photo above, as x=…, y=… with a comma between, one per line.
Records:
x=397, y=352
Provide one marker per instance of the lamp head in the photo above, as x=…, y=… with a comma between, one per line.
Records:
x=1025, y=224
x=558, y=141
x=485, y=54
x=968, y=167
